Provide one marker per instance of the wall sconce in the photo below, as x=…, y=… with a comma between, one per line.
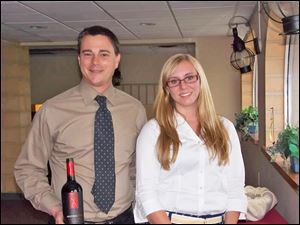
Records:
x=285, y=12
x=242, y=58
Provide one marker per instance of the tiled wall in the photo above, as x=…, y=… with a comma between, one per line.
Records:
x=275, y=53
x=15, y=109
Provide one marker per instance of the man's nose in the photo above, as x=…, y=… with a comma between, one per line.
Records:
x=96, y=59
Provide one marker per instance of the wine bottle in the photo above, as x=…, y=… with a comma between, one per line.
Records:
x=72, y=197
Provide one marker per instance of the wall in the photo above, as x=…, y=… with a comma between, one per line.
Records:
x=15, y=109
x=260, y=172
x=224, y=81
x=270, y=74
x=295, y=81
x=142, y=67
x=52, y=74
x=259, y=24
x=275, y=60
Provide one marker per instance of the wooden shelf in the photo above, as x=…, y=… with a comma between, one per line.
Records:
x=291, y=177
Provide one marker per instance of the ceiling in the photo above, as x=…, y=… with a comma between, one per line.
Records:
x=61, y=21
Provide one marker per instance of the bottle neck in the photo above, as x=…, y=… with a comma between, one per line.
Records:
x=70, y=171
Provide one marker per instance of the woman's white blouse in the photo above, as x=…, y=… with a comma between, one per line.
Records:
x=194, y=184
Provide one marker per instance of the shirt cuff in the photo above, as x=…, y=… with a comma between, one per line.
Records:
x=237, y=205
x=151, y=206
x=48, y=202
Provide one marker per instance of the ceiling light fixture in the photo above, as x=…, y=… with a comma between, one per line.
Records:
x=147, y=24
x=37, y=27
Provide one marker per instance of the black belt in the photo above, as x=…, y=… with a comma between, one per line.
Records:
x=126, y=213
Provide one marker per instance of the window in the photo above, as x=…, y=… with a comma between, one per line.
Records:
x=274, y=75
x=292, y=80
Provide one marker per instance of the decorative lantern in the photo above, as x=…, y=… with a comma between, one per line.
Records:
x=285, y=12
x=241, y=58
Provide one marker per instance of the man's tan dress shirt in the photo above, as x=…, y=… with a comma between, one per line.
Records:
x=63, y=128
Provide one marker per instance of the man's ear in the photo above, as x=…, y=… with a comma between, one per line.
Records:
x=118, y=59
x=78, y=58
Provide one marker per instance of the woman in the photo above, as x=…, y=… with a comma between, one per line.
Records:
x=189, y=163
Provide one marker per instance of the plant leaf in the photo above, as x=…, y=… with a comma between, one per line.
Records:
x=294, y=150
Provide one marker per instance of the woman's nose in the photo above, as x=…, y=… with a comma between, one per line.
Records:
x=182, y=84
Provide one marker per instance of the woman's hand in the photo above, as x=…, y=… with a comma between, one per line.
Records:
x=159, y=217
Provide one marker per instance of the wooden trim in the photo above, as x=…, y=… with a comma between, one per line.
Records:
x=122, y=42
x=12, y=196
x=289, y=176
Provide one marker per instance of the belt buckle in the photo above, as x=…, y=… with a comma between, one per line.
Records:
x=109, y=222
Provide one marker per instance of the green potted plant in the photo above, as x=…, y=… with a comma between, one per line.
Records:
x=247, y=122
x=287, y=145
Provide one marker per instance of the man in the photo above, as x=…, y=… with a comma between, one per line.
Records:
x=64, y=127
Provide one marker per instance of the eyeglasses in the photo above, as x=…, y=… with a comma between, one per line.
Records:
x=173, y=82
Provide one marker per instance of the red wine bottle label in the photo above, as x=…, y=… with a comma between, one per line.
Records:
x=73, y=200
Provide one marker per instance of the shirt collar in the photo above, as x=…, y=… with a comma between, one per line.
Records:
x=89, y=93
x=179, y=118
x=184, y=128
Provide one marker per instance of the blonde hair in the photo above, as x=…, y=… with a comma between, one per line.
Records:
x=212, y=129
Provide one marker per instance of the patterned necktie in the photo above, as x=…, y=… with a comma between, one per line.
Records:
x=104, y=186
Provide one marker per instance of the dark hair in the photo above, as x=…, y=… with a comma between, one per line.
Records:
x=117, y=77
x=98, y=30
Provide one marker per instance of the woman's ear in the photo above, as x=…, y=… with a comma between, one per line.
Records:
x=167, y=90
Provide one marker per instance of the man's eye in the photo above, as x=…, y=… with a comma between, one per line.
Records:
x=87, y=54
x=104, y=54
